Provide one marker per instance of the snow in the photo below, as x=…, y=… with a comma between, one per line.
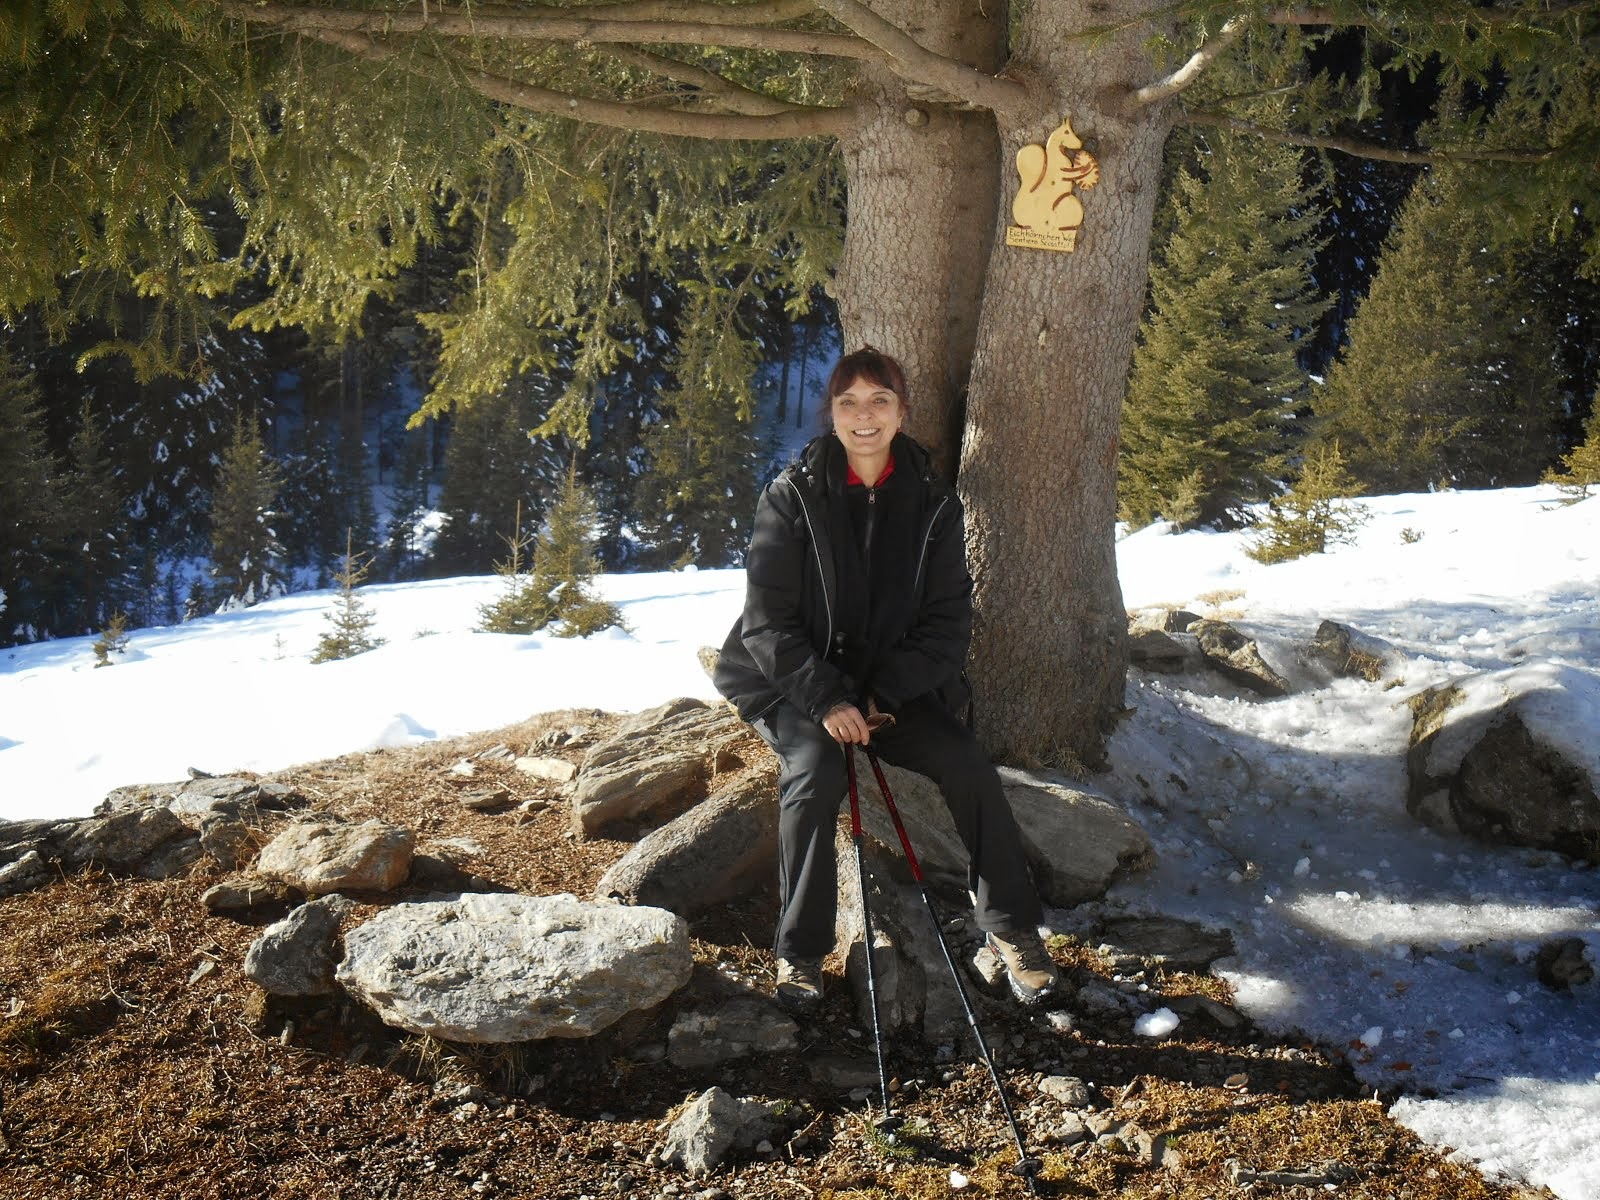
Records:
x=1284, y=821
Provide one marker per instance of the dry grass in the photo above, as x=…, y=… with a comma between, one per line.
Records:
x=136, y=1061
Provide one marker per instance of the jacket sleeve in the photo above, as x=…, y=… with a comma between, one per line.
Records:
x=774, y=625
x=934, y=649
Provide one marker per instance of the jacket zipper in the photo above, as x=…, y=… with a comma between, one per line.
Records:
x=927, y=540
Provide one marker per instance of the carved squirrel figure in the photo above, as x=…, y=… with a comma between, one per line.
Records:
x=1050, y=175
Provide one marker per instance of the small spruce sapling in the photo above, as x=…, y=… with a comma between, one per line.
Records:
x=350, y=620
x=1313, y=514
x=1581, y=468
x=113, y=639
x=565, y=564
x=524, y=604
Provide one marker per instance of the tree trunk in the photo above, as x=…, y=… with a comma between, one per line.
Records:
x=921, y=209
x=1039, y=464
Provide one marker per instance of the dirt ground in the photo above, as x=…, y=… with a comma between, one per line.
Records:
x=137, y=1060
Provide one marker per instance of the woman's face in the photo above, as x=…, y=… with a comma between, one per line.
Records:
x=866, y=416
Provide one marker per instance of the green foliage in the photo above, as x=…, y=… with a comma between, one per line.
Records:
x=113, y=639
x=1449, y=373
x=1580, y=469
x=558, y=590
x=350, y=621
x=1314, y=514
x=246, y=556
x=409, y=501
x=1215, y=381
x=29, y=507
x=695, y=502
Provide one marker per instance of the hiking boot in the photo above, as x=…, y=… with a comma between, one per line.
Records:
x=799, y=989
x=1030, y=970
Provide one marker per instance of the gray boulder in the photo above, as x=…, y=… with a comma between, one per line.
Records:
x=1506, y=757
x=204, y=796
x=656, y=764
x=723, y=848
x=712, y=1125
x=323, y=854
x=1076, y=839
x=123, y=841
x=737, y=1029
x=296, y=956
x=487, y=968
x=1156, y=650
x=1351, y=654
x=1237, y=657
x=24, y=873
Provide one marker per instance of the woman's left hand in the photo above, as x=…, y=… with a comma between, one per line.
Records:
x=846, y=725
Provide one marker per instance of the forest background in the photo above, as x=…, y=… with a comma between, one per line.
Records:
x=183, y=435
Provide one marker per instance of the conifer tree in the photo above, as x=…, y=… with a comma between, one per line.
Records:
x=1580, y=469
x=1449, y=374
x=350, y=621
x=97, y=578
x=565, y=564
x=246, y=556
x=29, y=508
x=1315, y=514
x=113, y=639
x=1215, y=380
x=409, y=502
x=524, y=604
x=698, y=497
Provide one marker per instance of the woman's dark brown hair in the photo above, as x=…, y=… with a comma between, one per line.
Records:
x=870, y=364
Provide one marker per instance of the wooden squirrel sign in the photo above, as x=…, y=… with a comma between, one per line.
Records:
x=1047, y=211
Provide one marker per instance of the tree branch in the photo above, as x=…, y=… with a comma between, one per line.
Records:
x=1185, y=75
x=1357, y=148
x=912, y=61
x=522, y=24
x=733, y=96
x=1323, y=14
x=614, y=114
x=768, y=12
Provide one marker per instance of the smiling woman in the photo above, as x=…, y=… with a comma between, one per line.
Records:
x=857, y=616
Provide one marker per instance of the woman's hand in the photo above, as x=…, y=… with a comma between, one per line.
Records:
x=846, y=725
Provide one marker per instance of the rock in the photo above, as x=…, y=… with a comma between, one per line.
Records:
x=320, y=855
x=491, y=968
x=708, y=657
x=1239, y=658
x=1068, y=1089
x=721, y=849
x=1070, y=1131
x=552, y=770
x=485, y=799
x=713, y=1124
x=737, y=1029
x=657, y=762
x=1076, y=840
x=1167, y=940
x=1155, y=650
x=227, y=841
x=222, y=795
x=296, y=956
x=843, y=1071
x=122, y=841
x=1506, y=757
x=1195, y=1004
x=1349, y=653
x=1561, y=964
x=244, y=893
x=28, y=871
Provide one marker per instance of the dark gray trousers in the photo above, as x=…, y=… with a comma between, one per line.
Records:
x=812, y=784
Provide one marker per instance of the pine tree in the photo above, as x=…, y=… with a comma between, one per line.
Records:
x=29, y=508
x=564, y=564
x=409, y=502
x=1580, y=469
x=1449, y=374
x=113, y=639
x=700, y=491
x=96, y=577
x=246, y=556
x=524, y=605
x=350, y=621
x=1315, y=513
x=1215, y=379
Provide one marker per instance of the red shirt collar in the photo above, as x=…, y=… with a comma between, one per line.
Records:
x=851, y=478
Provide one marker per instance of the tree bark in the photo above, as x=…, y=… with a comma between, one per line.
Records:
x=921, y=203
x=1038, y=468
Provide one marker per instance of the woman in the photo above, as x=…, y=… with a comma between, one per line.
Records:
x=857, y=615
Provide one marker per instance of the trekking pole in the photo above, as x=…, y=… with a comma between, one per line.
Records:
x=1027, y=1166
x=890, y=1122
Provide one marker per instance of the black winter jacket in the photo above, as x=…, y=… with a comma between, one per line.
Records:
x=814, y=630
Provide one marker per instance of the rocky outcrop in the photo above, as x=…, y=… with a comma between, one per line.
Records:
x=1506, y=757
x=1351, y=654
x=511, y=968
x=297, y=955
x=715, y=1123
x=1238, y=658
x=655, y=765
x=737, y=1028
x=320, y=855
x=721, y=849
